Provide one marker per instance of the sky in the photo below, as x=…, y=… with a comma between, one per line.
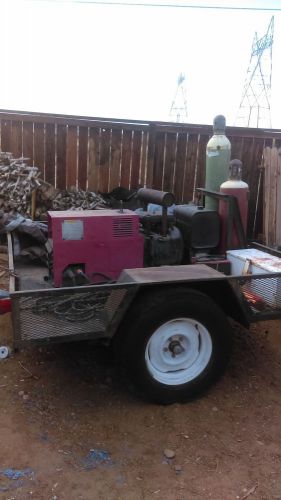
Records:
x=123, y=61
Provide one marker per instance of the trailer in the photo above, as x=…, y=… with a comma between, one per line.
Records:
x=170, y=326
x=169, y=319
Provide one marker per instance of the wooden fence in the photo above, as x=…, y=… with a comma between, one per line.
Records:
x=272, y=196
x=101, y=154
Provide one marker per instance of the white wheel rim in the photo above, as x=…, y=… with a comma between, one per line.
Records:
x=178, y=351
x=4, y=352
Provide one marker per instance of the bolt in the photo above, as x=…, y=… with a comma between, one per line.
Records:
x=177, y=349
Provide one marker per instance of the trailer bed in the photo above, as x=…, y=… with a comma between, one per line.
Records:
x=42, y=313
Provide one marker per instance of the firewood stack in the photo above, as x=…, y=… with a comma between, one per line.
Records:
x=18, y=181
x=77, y=199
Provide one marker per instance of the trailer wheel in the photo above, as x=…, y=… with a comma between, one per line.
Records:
x=174, y=344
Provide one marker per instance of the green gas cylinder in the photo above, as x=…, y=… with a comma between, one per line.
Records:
x=218, y=153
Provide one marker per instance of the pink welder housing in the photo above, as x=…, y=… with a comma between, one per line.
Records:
x=103, y=241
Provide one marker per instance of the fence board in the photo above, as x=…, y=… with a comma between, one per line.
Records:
x=83, y=158
x=126, y=158
x=159, y=159
x=71, y=156
x=28, y=141
x=104, y=160
x=93, y=163
x=255, y=224
x=270, y=195
x=180, y=166
x=190, y=167
x=143, y=162
x=115, y=166
x=61, y=156
x=266, y=165
x=6, y=133
x=39, y=147
x=249, y=176
x=236, y=147
x=136, y=157
x=50, y=158
x=201, y=161
x=150, y=155
x=278, y=199
x=169, y=165
x=16, y=139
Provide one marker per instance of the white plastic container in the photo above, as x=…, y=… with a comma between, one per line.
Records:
x=252, y=261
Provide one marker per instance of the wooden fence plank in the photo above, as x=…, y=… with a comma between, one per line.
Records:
x=180, y=167
x=266, y=155
x=104, y=160
x=61, y=156
x=272, y=198
x=190, y=167
x=236, y=147
x=169, y=165
x=247, y=156
x=28, y=141
x=39, y=147
x=16, y=139
x=159, y=161
x=255, y=225
x=50, y=158
x=136, y=157
x=94, y=159
x=278, y=199
x=83, y=158
x=150, y=156
x=6, y=135
x=115, y=166
x=250, y=177
x=71, y=156
x=143, y=162
x=268, y=142
x=126, y=158
x=201, y=161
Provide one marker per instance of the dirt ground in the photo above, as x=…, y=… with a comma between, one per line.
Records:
x=69, y=428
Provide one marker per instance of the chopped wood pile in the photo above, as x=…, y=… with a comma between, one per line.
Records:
x=17, y=182
x=22, y=190
x=71, y=199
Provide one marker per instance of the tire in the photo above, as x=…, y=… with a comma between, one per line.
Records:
x=174, y=344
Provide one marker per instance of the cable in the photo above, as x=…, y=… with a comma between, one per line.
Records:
x=76, y=308
x=167, y=5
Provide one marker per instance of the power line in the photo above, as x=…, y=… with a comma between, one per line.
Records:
x=167, y=5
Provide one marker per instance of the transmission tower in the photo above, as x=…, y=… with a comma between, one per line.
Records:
x=178, y=110
x=254, y=109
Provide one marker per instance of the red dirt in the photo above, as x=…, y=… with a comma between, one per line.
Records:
x=226, y=444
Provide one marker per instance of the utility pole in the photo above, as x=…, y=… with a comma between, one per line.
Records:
x=254, y=109
x=178, y=110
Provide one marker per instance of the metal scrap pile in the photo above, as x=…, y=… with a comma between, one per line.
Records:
x=18, y=181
